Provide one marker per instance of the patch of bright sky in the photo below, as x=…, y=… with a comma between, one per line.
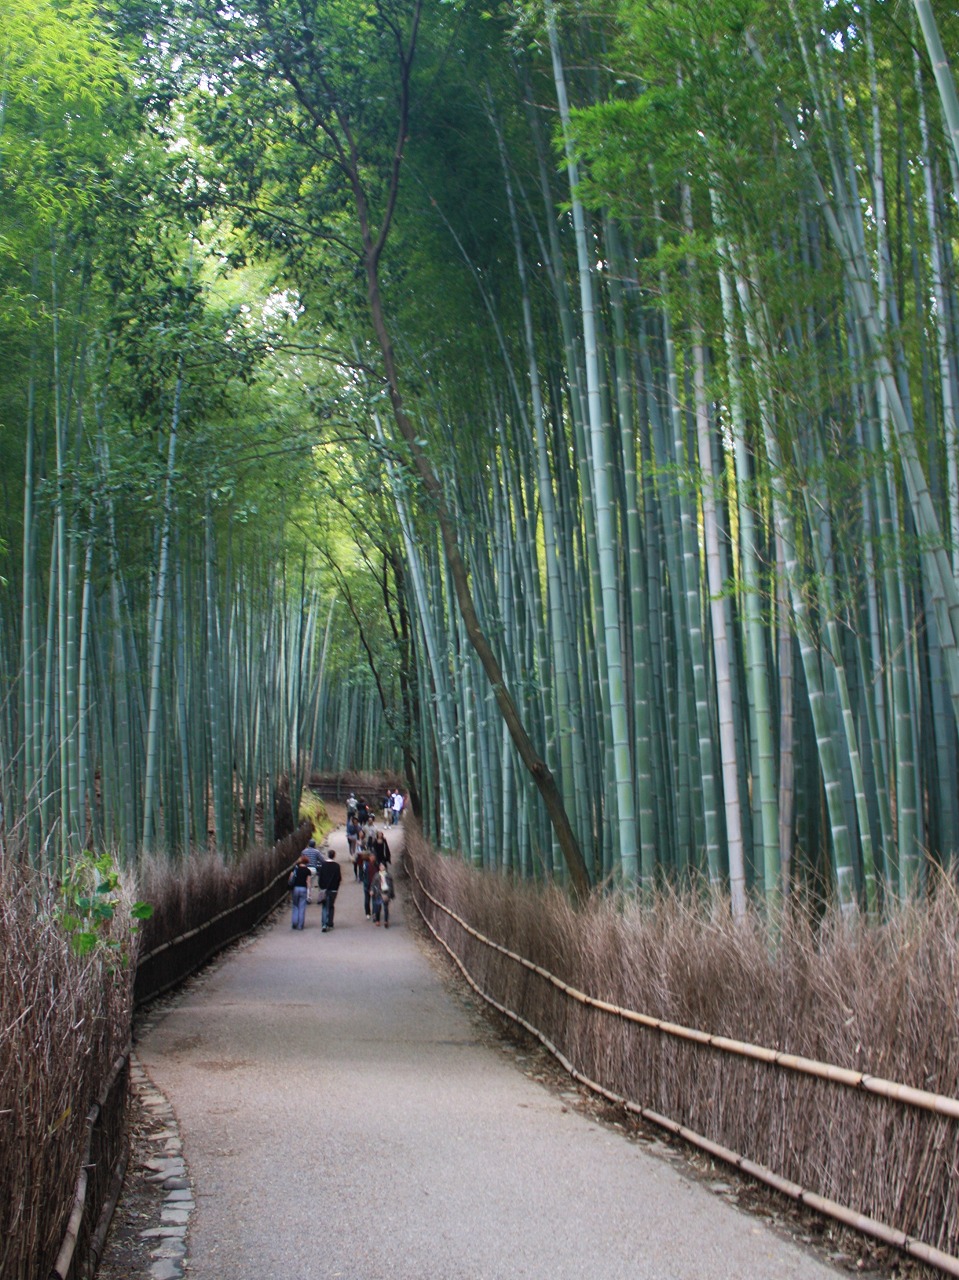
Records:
x=848, y=34
x=282, y=306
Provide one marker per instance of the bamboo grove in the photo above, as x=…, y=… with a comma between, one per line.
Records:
x=165, y=644
x=500, y=392
x=703, y=470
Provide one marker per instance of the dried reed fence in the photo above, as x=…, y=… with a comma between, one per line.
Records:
x=103, y=1164
x=201, y=906
x=610, y=987
x=64, y=1036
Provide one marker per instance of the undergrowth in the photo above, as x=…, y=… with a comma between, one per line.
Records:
x=64, y=1020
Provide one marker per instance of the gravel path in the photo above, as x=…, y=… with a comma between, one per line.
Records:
x=343, y=1115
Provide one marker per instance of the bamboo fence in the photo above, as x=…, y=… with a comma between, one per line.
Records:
x=679, y=1078
x=170, y=962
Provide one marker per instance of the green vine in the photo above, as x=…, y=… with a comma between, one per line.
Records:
x=92, y=896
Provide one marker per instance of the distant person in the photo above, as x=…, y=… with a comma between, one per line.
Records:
x=382, y=894
x=380, y=849
x=351, y=805
x=369, y=832
x=368, y=869
x=387, y=806
x=315, y=856
x=362, y=812
x=329, y=883
x=298, y=882
x=397, y=806
x=352, y=841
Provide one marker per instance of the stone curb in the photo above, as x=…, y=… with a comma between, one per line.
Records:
x=168, y=1169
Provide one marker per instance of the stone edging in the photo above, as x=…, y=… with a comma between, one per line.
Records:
x=167, y=1169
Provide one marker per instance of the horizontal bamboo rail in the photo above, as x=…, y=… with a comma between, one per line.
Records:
x=220, y=915
x=891, y=1090
x=941, y=1104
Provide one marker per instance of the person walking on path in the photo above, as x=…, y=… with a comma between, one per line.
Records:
x=329, y=882
x=352, y=839
x=397, y=806
x=382, y=894
x=315, y=856
x=368, y=870
x=380, y=849
x=368, y=833
x=299, y=882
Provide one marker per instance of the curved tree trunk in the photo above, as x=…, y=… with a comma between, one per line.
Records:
x=374, y=242
x=537, y=767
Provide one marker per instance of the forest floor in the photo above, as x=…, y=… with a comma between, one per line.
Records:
x=348, y=1108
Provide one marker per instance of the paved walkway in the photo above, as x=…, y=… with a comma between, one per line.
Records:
x=342, y=1116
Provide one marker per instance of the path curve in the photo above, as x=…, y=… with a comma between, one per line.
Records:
x=343, y=1116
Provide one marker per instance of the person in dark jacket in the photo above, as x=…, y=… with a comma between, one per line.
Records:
x=328, y=879
x=380, y=849
x=368, y=868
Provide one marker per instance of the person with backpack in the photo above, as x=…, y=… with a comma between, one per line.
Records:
x=299, y=881
x=382, y=894
x=329, y=885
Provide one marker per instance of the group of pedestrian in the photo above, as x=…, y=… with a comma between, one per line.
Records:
x=361, y=829
x=377, y=879
x=359, y=821
x=361, y=812
x=393, y=806
x=370, y=854
x=321, y=864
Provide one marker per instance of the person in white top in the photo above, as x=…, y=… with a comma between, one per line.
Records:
x=382, y=894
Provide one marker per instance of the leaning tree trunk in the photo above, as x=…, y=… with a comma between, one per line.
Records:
x=373, y=245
